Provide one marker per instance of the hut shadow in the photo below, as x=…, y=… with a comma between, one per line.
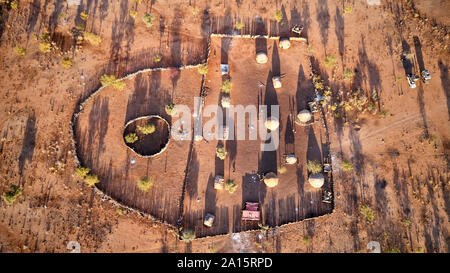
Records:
x=29, y=142
x=305, y=90
x=313, y=152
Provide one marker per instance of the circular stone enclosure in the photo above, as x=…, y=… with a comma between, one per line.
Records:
x=151, y=144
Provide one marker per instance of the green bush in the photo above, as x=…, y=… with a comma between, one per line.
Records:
x=278, y=16
x=84, y=16
x=306, y=240
x=110, y=80
x=157, y=58
x=82, y=172
x=11, y=195
x=227, y=85
x=368, y=213
x=203, y=69
x=221, y=152
x=92, y=38
x=45, y=47
x=148, y=19
x=66, y=62
x=282, y=169
x=145, y=183
x=146, y=129
x=20, y=51
x=133, y=13
x=171, y=109
x=91, y=179
x=230, y=185
x=240, y=25
x=131, y=138
x=330, y=60
x=347, y=166
x=349, y=74
x=14, y=5
x=314, y=166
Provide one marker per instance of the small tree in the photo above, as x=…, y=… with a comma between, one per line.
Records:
x=20, y=51
x=278, y=16
x=110, y=80
x=66, y=62
x=239, y=26
x=45, y=47
x=347, y=166
x=226, y=86
x=92, y=38
x=91, y=179
x=367, y=212
x=131, y=138
x=221, y=152
x=171, y=109
x=330, y=60
x=133, y=13
x=11, y=195
x=157, y=58
x=187, y=235
x=82, y=172
x=203, y=69
x=84, y=16
x=230, y=185
x=145, y=183
x=146, y=129
x=148, y=19
x=306, y=240
x=314, y=166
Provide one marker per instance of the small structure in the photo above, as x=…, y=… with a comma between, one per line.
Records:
x=327, y=197
x=271, y=179
x=426, y=76
x=219, y=182
x=261, y=57
x=209, y=220
x=284, y=43
x=303, y=117
x=412, y=78
x=276, y=80
x=313, y=106
x=224, y=69
x=251, y=211
x=225, y=133
x=290, y=159
x=225, y=100
x=316, y=180
x=272, y=124
x=297, y=29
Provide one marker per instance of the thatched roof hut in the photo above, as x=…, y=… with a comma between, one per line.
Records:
x=316, y=180
x=285, y=43
x=304, y=116
x=271, y=179
x=261, y=57
x=290, y=159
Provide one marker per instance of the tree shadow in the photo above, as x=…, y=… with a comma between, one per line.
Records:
x=339, y=30
x=210, y=197
x=419, y=54
x=323, y=18
x=445, y=82
x=29, y=142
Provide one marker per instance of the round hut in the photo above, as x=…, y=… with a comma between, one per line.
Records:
x=316, y=180
x=261, y=57
x=303, y=117
x=285, y=43
x=272, y=124
x=271, y=179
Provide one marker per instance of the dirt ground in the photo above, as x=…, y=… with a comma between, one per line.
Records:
x=400, y=161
